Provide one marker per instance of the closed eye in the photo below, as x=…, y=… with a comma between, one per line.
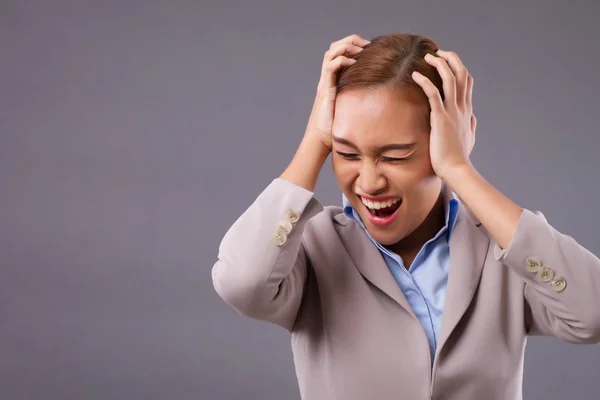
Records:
x=351, y=156
x=392, y=159
x=348, y=156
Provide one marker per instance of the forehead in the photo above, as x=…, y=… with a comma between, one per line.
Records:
x=375, y=117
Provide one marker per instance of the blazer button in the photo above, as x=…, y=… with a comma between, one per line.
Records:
x=292, y=215
x=532, y=264
x=279, y=237
x=559, y=283
x=546, y=274
x=285, y=226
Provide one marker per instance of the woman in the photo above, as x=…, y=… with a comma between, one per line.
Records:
x=376, y=306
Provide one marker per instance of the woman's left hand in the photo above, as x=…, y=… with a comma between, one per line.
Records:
x=452, y=120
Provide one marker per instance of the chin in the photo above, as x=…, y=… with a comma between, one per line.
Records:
x=387, y=238
x=385, y=235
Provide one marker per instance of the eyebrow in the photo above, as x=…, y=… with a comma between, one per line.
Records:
x=392, y=146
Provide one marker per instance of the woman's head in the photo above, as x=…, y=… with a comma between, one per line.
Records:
x=381, y=135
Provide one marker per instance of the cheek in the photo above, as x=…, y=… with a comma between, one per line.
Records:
x=400, y=174
x=345, y=172
x=404, y=177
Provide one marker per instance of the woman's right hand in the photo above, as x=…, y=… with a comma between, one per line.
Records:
x=320, y=121
x=315, y=147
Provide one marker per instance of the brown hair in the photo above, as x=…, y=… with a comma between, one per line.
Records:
x=389, y=60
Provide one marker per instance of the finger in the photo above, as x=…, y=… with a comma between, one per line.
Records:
x=433, y=94
x=469, y=98
x=340, y=61
x=473, y=129
x=342, y=49
x=449, y=81
x=329, y=73
x=329, y=67
x=354, y=39
x=460, y=73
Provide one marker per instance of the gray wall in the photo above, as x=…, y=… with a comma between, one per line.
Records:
x=133, y=133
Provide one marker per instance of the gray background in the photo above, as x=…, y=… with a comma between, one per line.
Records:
x=134, y=133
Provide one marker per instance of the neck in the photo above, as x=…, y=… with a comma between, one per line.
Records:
x=432, y=224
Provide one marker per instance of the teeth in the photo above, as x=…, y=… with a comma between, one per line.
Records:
x=377, y=205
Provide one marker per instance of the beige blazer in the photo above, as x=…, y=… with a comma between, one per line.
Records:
x=312, y=270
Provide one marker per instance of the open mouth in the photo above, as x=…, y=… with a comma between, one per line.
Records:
x=382, y=209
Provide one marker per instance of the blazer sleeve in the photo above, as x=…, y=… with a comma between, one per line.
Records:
x=262, y=264
x=562, y=280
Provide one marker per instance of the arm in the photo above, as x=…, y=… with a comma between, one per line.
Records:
x=261, y=267
x=562, y=280
x=543, y=257
x=563, y=298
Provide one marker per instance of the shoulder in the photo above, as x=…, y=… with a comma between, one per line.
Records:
x=330, y=216
x=326, y=225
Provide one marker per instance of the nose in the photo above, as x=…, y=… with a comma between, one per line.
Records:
x=370, y=180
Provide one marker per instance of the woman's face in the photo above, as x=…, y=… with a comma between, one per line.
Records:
x=381, y=157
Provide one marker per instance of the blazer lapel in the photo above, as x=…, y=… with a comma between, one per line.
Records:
x=468, y=250
x=369, y=261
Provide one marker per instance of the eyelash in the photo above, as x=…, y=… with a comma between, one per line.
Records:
x=349, y=156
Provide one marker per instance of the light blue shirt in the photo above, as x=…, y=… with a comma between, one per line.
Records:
x=424, y=284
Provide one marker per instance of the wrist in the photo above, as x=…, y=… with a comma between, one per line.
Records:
x=457, y=175
x=316, y=144
x=314, y=151
x=306, y=164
